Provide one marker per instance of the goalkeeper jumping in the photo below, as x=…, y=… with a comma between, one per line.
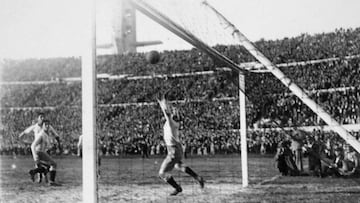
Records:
x=174, y=148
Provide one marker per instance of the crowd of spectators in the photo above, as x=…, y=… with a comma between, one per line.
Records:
x=209, y=125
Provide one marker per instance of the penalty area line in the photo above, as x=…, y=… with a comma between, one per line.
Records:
x=269, y=180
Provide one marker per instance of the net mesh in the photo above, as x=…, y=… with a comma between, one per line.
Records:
x=194, y=17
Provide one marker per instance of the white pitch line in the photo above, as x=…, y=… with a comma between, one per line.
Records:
x=269, y=180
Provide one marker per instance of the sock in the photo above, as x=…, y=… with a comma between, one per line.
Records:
x=43, y=166
x=191, y=173
x=38, y=170
x=42, y=170
x=52, y=176
x=173, y=183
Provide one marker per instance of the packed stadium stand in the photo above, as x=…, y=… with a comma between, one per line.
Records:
x=129, y=119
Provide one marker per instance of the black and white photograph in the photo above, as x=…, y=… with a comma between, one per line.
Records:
x=156, y=101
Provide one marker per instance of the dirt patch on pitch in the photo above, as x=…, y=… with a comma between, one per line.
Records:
x=279, y=189
x=160, y=193
x=42, y=193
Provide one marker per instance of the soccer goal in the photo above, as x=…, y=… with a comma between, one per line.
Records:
x=202, y=26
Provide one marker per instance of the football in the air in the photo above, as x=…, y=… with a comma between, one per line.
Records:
x=152, y=57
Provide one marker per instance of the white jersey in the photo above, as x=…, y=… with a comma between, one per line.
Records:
x=35, y=128
x=171, y=133
x=41, y=142
x=80, y=141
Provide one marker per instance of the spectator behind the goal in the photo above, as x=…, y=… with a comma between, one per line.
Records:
x=337, y=165
x=351, y=161
x=315, y=152
x=284, y=160
x=296, y=148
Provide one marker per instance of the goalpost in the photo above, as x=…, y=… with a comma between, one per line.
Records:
x=243, y=127
x=88, y=76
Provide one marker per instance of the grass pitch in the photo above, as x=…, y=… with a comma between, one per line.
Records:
x=133, y=179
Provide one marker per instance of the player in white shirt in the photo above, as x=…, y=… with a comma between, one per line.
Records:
x=36, y=129
x=38, y=148
x=174, y=149
x=79, y=146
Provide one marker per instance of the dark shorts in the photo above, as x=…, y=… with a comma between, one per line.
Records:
x=173, y=157
x=44, y=158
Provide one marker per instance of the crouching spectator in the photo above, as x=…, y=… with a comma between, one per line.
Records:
x=337, y=166
x=284, y=160
x=351, y=162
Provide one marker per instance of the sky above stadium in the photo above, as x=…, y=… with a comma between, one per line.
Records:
x=53, y=28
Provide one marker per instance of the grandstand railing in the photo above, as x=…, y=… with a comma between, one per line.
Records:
x=139, y=104
x=250, y=66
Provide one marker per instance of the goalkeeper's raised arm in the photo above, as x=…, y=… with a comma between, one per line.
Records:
x=164, y=107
